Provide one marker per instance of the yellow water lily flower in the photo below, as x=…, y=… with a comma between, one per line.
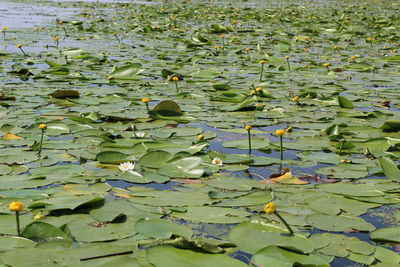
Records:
x=280, y=132
x=16, y=206
x=270, y=207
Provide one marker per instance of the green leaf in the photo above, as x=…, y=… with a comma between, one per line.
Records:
x=62, y=94
x=252, y=199
x=252, y=236
x=88, y=230
x=338, y=223
x=168, y=108
x=166, y=256
x=344, y=102
x=13, y=242
x=183, y=168
x=212, y=215
x=155, y=159
x=114, y=157
x=389, y=234
x=44, y=232
x=389, y=168
x=274, y=256
x=161, y=229
x=391, y=126
x=128, y=72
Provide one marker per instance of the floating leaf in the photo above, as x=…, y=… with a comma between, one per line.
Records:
x=212, y=215
x=166, y=256
x=389, y=168
x=183, y=168
x=338, y=223
x=128, y=72
x=62, y=94
x=162, y=229
x=389, y=234
x=274, y=256
x=44, y=232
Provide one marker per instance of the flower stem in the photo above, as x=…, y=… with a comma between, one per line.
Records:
x=262, y=71
x=284, y=222
x=176, y=86
x=281, y=141
x=41, y=143
x=288, y=63
x=147, y=107
x=17, y=219
x=341, y=147
x=249, y=137
x=23, y=52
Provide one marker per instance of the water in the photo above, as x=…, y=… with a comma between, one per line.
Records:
x=23, y=15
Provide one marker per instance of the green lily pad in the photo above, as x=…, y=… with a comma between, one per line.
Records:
x=338, y=223
x=212, y=215
x=162, y=229
x=389, y=234
x=275, y=256
x=44, y=232
x=183, y=168
x=166, y=256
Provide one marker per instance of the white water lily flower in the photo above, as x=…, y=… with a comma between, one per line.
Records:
x=129, y=167
x=217, y=161
x=139, y=134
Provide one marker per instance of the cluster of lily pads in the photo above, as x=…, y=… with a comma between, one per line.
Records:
x=155, y=134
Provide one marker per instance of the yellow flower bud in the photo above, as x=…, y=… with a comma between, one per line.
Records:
x=146, y=100
x=200, y=137
x=57, y=38
x=280, y=132
x=295, y=99
x=16, y=206
x=38, y=217
x=287, y=57
x=258, y=89
x=326, y=65
x=42, y=126
x=262, y=61
x=222, y=35
x=247, y=127
x=19, y=45
x=270, y=207
x=5, y=28
x=175, y=78
x=353, y=57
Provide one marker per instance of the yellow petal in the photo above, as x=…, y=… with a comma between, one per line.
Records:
x=11, y=136
x=288, y=178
